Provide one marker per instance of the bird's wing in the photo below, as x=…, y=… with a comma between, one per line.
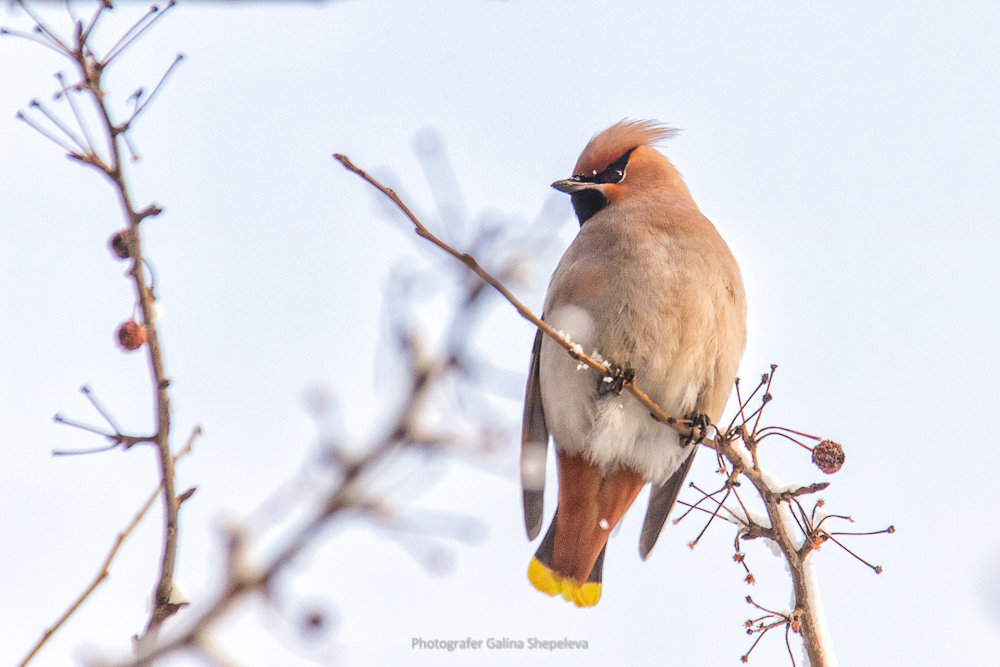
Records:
x=661, y=500
x=534, y=446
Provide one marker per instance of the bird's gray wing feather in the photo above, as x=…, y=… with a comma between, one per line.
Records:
x=534, y=435
x=661, y=500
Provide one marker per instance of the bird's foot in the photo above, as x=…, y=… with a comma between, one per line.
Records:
x=699, y=429
x=616, y=380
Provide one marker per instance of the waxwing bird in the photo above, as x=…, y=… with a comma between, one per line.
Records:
x=647, y=286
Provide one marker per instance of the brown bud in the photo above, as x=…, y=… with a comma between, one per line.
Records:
x=131, y=335
x=828, y=456
x=121, y=244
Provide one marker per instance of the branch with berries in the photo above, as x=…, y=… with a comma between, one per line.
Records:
x=82, y=124
x=796, y=531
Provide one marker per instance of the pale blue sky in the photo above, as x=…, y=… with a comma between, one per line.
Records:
x=847, y=151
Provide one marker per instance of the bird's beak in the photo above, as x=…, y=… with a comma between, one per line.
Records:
x=571, y=185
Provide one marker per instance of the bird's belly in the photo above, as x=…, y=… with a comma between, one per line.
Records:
x=609, y=430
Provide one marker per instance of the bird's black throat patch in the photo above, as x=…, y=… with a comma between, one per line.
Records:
x=586, y=203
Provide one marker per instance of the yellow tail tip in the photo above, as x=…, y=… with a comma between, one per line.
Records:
x=544, y=579
x=550, y=583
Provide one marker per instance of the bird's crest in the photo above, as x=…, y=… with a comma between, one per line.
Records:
x=620, y=138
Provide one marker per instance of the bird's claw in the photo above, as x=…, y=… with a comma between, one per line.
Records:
x=699, y=425
x=616, y=380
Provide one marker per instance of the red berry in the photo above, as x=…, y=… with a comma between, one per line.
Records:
x=131, y=335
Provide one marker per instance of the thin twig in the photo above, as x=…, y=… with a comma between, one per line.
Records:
x=35, y=104
x=33, y=37
x=43, y=29
x=67, y=92
x=766, y=398
x=85, y=32
x=141, y=106
x=88, y=392
x=133, y=33
x=48, y=135
x=81, y=452
x=59, y=419
x=877, y=569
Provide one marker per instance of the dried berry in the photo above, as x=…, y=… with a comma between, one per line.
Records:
x=131, y=335
x=828, y=456
x=121, y=243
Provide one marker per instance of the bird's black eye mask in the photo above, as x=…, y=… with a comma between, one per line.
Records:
x=613, y=173
x=588, y=202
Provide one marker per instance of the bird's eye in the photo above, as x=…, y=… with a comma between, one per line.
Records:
x=613, y=173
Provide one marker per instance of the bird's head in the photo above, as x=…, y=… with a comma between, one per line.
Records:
x=620, y=163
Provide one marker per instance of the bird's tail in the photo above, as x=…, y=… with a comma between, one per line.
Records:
x=548, y=581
